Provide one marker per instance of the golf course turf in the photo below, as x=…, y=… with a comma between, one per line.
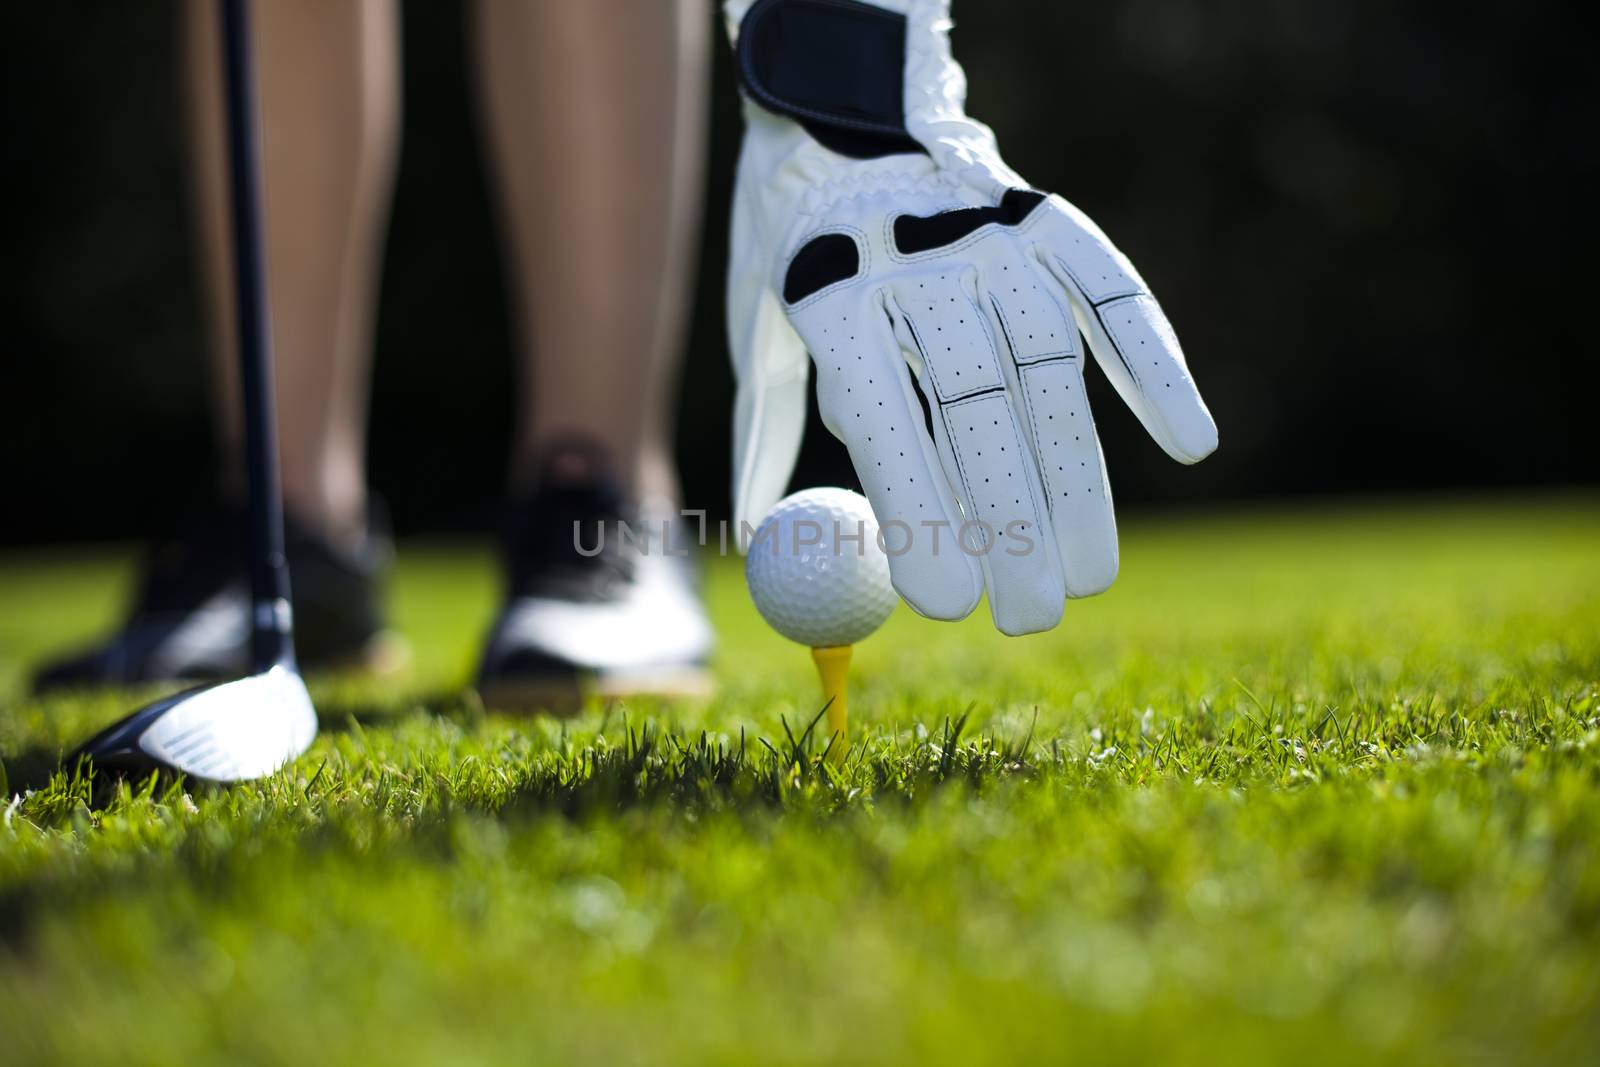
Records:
x=1315, y=784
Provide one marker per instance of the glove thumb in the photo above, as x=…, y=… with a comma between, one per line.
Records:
x=769, y=412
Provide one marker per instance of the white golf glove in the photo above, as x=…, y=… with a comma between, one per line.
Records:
x=942, y=300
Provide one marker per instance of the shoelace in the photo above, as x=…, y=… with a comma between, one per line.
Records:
x=566, y=541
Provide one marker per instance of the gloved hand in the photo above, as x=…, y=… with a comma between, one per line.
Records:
x=942, y=301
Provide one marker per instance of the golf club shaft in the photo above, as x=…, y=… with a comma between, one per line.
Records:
x=272, y=638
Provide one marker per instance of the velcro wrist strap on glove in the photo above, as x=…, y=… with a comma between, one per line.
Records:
x=837, y=67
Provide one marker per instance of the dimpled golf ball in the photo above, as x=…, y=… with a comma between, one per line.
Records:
x=816, y=570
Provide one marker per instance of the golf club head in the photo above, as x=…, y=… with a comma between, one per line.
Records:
x=222, y=732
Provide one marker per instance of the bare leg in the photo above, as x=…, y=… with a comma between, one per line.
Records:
x=595, y=117
x=330, y=104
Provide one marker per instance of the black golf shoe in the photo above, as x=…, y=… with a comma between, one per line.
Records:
x=602, y=600
x=190, y=618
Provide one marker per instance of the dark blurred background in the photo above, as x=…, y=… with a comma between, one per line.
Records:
x=1368, y=220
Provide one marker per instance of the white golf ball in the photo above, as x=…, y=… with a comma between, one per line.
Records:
x=816, y=571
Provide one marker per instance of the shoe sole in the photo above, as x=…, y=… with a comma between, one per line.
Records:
x=570, y=694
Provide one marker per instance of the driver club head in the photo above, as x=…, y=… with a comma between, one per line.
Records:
x=222, y=732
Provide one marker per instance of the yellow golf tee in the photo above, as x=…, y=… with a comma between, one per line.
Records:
x=833, y=665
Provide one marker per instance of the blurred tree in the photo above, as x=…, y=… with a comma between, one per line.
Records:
x=1367, y=220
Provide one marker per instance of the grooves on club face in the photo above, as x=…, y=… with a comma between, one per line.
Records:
x=223, y=732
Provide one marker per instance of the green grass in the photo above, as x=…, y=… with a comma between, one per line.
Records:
x=1319, y=785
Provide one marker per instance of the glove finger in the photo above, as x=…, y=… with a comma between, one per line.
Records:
x=1007, y=526
x=1072, y=470
x=1128, y=332
x=864, y=393
x=1046, y=368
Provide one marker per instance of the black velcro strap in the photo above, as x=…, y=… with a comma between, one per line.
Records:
x=821, y=262
x=835, y=66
